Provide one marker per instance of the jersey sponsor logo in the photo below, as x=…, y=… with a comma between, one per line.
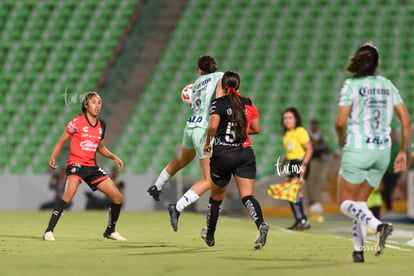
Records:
x=218, y=142
x=377, y=140
x=372, y=102
x=202, y=83
x=195, y=119
x=367, y=91
x=85, y=129
x=88, y=145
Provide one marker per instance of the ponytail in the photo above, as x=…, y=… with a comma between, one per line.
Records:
x=231, y=82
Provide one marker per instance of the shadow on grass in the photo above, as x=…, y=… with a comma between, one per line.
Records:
x=290, y=263
x=166, y=250
x=22, y=237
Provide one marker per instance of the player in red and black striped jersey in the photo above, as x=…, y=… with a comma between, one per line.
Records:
x=86, y=133
x=232, y=118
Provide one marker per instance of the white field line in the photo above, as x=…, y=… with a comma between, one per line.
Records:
x=392, y=244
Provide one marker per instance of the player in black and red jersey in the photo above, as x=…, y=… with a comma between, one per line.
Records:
x=86, y=133
x=232, y=118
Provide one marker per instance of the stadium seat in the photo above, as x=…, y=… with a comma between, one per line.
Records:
x=36, y=51
x=292, y=54
x=287, y=52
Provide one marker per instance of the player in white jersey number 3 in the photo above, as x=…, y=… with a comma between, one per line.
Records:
x=366, y=107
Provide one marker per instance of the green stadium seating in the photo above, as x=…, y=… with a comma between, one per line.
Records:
x=287, y=52
x=44, y=45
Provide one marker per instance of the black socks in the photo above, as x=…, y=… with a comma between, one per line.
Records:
x=298, y=209
x=213, y=209
x=114, y=210
x=254, y=209
x=57, y=212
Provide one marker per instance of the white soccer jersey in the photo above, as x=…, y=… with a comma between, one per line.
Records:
x=204, y=90
x=372, y=101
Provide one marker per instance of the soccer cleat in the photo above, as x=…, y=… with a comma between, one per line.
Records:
x=154, y=192
x=300, y=225
x=411, y=242
x=293, y=227
x=114, y=236
x=48, y=236
x=383, y=231
x=303, y=225
x=209, y=242
x=174, y=215
x=358, y=256
x=261, y=236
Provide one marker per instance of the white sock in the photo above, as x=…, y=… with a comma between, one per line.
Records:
x=359, y=233
x=375, y=223
x=359, y=211
x=187, y=199
x=163, y=178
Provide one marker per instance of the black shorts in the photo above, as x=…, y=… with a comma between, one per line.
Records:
x=294, y=169
x=238, y=161
x=92, y=175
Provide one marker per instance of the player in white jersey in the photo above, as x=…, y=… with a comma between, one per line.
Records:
x=204, y=90
x=366, y=107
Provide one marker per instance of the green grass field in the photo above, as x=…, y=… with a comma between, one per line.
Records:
x=154, y=249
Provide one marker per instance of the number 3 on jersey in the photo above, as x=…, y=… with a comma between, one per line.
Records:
x=375, y=123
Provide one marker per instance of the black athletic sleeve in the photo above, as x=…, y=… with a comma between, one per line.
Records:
x=103, y=125
x=219, y=106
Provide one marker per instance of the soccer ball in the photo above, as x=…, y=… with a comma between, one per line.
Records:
x=186, y=94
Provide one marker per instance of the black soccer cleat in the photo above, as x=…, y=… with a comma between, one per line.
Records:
x=154, y=192
x=383, y=231
x=262, y=235
x=209, y=241
x=303, y=225
x=300, y=225
x=358, y=256
x=174, y=215
x=293, y=227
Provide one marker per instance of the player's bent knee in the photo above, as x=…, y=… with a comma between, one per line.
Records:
x=117, y=199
